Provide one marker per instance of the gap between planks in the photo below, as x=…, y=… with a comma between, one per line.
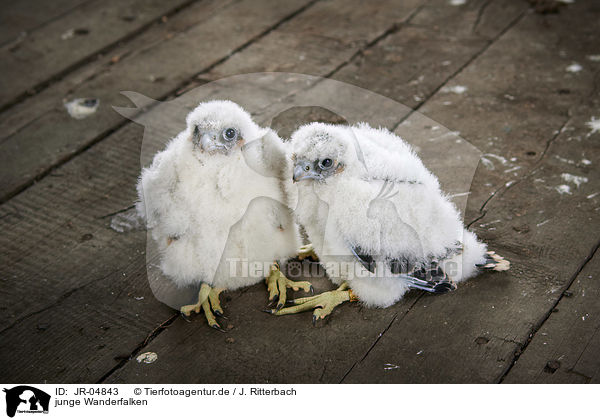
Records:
x=537, y=327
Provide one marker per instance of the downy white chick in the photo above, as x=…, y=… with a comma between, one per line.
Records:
x=377, y=219
x=215, y=203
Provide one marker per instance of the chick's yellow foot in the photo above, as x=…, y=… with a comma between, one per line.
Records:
x=277, y=285
x=307, y=251
x=322, y=304
x=208, y=301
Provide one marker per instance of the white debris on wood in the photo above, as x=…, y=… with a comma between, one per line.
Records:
x=514, y=168
x=457, y=2
x=594, y=125
x=489, y=164
x=563, y=189
x=81, y=108
x=148, y=357
x=542, y=223
x=593, y=57
x=460, y=194
x=563, y=160
x=589, y=197
x=68, y=34
x=454, y=89
x=577, y=180
x=574, y=68
x=490, y=223
x=127, y=221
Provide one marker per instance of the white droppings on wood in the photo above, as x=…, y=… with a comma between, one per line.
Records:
x=542, y=223
x=563, y=189
x=389, y=366
x=457, y=2
x=577, y=180
x=594, y=125
x=574, y=68
x=454, y=89
x=148, y=357
x=460, y=194
x=593, y=57
x=589, y=197
x=563, y=160
x=490, y=223
x=68, y=34
x=485, y=159
x=81, y=108
x=586, y=162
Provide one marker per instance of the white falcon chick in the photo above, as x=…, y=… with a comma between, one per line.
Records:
x=215, y=203
x=377, y=219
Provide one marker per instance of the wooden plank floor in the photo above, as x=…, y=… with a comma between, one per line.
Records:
x=520, y=85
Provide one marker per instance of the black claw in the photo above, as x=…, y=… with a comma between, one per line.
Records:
x=312, y=290
x=218, y=328
x=220, y=314
x=184, y=316
x=279, y=306
x=275, y=298
x=269, y=311
x=314, y=320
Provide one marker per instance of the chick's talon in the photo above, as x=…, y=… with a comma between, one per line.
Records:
x=208, y=301
x=278, y=283
x=322, y=305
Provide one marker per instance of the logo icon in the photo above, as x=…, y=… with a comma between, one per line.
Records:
x=26, y=399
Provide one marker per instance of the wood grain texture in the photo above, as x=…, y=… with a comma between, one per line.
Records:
x=48, y=51
x=566, y=348
x=156, y=63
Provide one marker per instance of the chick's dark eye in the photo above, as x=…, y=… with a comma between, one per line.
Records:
x=326, y=163
x=230, y=133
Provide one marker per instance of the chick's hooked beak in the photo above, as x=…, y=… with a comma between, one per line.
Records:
x=304, y=170
x=208, y=142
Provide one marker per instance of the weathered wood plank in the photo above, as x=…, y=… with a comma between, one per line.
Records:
x=70, y=288
x=471, y=335
x=156, y=63
x=320, y=40
x=567, y=346
x=411, y=64
x=49, y=51
x=19, y=18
